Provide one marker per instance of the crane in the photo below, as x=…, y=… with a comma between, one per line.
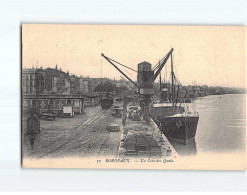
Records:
x=145, y=79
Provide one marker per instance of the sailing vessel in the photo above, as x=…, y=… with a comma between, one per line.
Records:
x=174, y=118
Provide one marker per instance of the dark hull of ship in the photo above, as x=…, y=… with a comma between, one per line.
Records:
x=179, y=129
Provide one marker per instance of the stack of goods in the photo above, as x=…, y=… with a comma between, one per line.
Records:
x=141, y=145
x=130, y=143
x=154, y=147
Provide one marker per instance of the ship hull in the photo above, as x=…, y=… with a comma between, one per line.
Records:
x=179, y=129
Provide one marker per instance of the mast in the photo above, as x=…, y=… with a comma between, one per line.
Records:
x=166, y=89
x=173, y=88
x=161, y=99
x=160, y=80
x=167, y=86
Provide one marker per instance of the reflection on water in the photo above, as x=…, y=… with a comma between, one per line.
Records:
x=185, y=150
x=221, y=126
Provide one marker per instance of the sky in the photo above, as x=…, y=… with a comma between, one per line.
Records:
x=207, y=55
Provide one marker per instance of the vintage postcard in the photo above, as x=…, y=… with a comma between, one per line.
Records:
x=133, y=96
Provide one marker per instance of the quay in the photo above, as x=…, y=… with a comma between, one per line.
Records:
x=86, y=135
x=139, y=140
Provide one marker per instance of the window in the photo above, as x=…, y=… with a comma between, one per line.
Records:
x=33, y=103
x=69, y=101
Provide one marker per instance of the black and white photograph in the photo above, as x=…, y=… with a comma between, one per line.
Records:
x=133, y=96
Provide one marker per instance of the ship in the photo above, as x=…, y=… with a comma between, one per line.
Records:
x=177, y=123
x=173, y=115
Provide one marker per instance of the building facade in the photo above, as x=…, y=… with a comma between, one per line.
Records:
x=33, y=79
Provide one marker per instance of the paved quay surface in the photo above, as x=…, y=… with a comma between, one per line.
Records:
x=80, y=136
x=86, y=136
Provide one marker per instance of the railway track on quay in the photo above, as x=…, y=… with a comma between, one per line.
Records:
x=62, y=141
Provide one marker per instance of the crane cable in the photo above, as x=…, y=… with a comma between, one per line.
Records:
x=122, y=64
x=182, y=98
x=125, y=67
x=160, y=62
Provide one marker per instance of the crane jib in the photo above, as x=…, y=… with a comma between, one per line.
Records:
x=109, y=60
x=162, y=65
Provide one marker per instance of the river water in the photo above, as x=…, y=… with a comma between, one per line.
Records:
x=221, y=127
